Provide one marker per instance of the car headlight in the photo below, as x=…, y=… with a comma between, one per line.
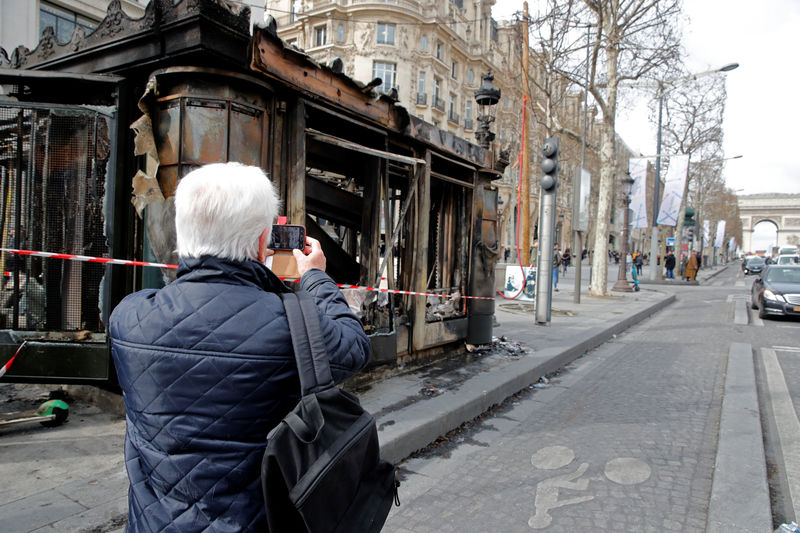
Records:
x=769, y=295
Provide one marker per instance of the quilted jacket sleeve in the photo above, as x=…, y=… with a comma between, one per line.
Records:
x=348, y=346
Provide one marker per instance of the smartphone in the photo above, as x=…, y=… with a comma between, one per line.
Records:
x=285, y=238
x=288, y=237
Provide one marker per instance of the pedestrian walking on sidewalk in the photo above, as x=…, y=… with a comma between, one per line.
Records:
x=669, y=264
x=556, y=266
x=206, y=363
x=566, y=259
x=691, y=267
x=638, y=262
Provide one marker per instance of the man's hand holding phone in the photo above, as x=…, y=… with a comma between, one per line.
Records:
x=311, y=257
x=292, y=253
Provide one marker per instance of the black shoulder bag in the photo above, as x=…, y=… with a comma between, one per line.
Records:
x=322, y=470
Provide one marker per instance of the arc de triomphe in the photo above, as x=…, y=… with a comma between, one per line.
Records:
x=783, y=210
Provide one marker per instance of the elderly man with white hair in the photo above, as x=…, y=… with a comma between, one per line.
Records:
x=206, y=363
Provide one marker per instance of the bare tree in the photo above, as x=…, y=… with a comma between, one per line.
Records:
x=632, y=39
x=693, y=112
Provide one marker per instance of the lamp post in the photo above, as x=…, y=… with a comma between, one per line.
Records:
x=622, y=284
x=487, y=97
x=661, y=84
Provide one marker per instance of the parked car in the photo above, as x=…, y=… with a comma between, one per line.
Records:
x=777, y=291
x=787, y=259
x=753, y=265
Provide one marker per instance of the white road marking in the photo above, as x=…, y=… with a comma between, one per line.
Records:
x=787, y=348
x=787, y=423
x=757, y=321
x=739, y=283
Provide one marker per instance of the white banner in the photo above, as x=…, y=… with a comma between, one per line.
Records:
x=732, y=244
x=674, y=183
x=637, y=168
x=584, y=200
x=720, y=237
x=706, y=233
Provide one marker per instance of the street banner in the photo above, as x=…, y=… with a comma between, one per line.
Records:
x=706, y=233
x=674, y=183
x=637, y=168
x=732, y=244
x=584, y=200
x=720, y=237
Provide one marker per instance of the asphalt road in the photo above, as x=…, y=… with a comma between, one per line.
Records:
x=624, y=439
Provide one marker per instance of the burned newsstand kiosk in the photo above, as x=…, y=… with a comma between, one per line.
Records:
x=97, y=132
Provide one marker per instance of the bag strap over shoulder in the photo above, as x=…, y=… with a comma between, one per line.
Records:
x=310, y=352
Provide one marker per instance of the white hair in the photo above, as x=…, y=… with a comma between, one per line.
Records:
x=221, y=210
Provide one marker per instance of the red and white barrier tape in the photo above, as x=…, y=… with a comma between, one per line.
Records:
x=86, y=258
x=108, y=260
x=6, y=366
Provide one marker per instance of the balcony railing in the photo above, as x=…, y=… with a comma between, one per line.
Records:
x=422, y=99
x=438, y=103
x=467, y=124
x=452, y=117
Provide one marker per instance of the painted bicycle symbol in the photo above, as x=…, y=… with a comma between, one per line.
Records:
x=622, y=470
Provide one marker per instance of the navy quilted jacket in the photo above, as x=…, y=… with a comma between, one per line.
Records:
x=207, y=369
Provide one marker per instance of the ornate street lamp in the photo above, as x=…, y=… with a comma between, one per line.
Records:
x=487, y=97
x=622, y=284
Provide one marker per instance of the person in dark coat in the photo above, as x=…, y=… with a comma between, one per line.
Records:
x=669, y=264
x=206, y=363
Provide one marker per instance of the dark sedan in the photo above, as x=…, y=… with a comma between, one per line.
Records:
x=777, y=291
x=753, y=265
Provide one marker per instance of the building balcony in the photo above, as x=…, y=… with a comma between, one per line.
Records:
x=422, y=99
x=452, y=117
x=467, y=124
x=438, y=103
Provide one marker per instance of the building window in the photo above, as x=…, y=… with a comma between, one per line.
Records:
x=454, y=70
x=386, y=72
x=452, y=116
x=63, y=21
x=470, y=77
x=385, y=33
x=468, y=114
x=421, y=83
x=438, y=50
x=437, y=101
x=320, y=35
x=340, y=33
x=294, y=10
x=423, y=43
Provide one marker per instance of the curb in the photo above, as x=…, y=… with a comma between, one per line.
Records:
x=740, y=498
x=423, y=422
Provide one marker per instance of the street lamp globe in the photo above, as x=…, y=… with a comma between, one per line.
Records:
x=627, y=186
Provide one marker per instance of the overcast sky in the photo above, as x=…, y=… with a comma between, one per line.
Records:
x=762, y=116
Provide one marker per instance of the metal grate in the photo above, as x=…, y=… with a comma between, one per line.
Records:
x=52, y=184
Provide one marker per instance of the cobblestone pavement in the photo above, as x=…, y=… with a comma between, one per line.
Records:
x=623, y=440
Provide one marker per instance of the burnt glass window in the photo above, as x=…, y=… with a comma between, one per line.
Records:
x=52, y=181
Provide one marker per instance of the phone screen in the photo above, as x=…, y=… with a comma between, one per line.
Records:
x=288, y=237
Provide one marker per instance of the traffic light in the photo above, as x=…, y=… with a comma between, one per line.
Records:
x=550, y=151
x=690, y=233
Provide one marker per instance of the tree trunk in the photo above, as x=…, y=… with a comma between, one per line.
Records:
x=608, y=158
